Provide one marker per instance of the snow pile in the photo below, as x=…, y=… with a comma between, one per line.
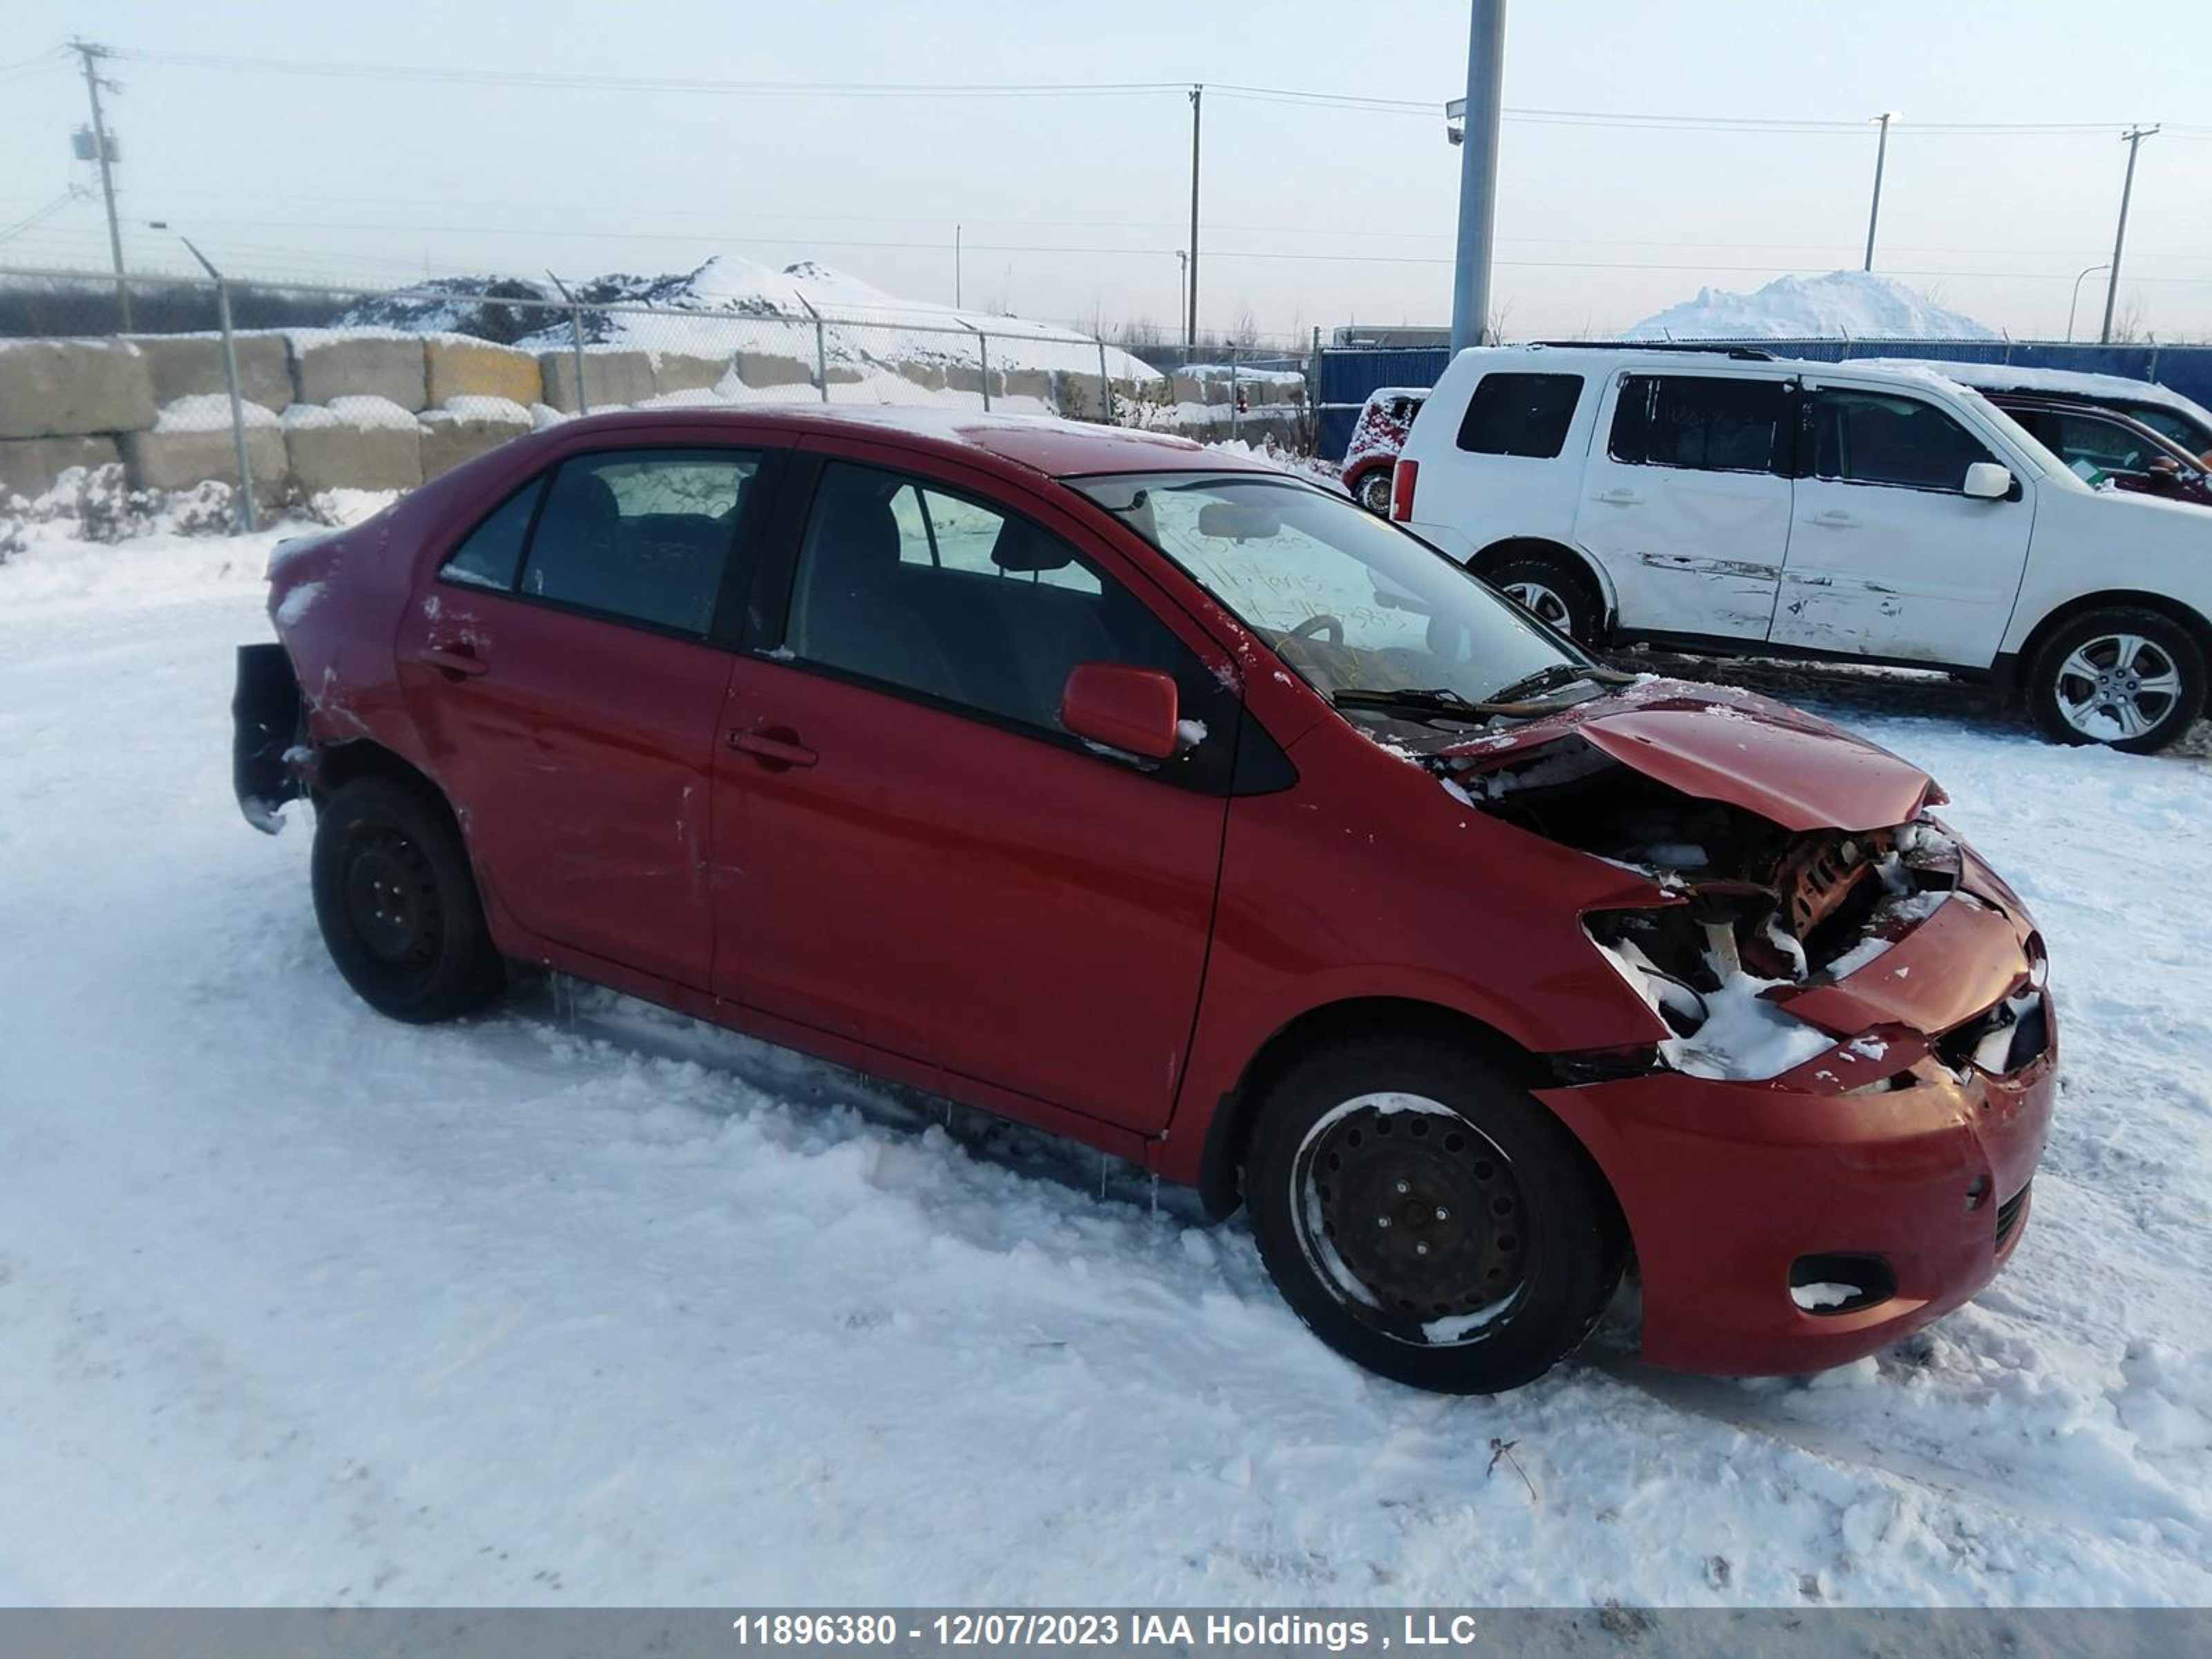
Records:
x=1844, y=304
x=866, y=325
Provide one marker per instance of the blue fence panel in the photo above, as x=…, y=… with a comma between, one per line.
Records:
x=1346, y=377
x=1348, y=374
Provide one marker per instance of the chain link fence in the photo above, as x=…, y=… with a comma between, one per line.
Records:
x=271, y=393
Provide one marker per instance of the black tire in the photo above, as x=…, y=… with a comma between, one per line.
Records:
x=397, y=904
x=2122, y=653
x=1374, y=492
x=1570, y=602
x=1494, y=1309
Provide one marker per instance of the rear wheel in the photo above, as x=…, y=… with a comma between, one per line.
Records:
x=397, y=904
x=1373, y=492
x=1550, y=588
x=2129, y=678
x=1426, y=1217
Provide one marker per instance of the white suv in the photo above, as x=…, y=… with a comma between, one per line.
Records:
x=1721, y=498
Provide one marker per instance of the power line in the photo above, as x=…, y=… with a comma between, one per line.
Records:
x=1430, y=109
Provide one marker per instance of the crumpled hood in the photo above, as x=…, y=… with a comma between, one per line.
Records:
x=1717, y=742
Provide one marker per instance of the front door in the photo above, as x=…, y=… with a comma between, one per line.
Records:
x=1686, y=501
x=556, y=665
x=909, y=851
x=1888, y=555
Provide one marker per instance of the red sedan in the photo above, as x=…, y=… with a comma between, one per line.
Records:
x=1163, y=801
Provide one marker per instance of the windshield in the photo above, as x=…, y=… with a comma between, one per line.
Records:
x=1347, y=602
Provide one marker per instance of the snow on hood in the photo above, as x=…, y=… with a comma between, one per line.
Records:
x=1844, y=304
x=1716, y=742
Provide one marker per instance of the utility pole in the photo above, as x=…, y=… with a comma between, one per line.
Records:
x=104, y=148
x=1190, y=321
x=2133, y=137
x=1478, y=172
x=1183, y=291
x=1880, y=156
x=956, y=267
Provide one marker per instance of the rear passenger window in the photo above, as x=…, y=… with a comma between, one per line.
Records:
x=642, y=535
x=1710, y=422
x=936, y=593
x=1520, y=415
x=493, y=552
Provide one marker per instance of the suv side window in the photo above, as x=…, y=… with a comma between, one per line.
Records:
x=907, y=584
x=643, y=535
x=1708, y=422
x=1520, y=415
x=1881, y=438
x=491, y=554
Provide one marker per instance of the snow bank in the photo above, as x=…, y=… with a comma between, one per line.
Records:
x=1844, y=304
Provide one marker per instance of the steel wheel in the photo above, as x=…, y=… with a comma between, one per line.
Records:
x=2117, y=686
x=1413, y=1217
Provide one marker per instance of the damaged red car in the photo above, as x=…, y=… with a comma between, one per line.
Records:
x=1165, y=802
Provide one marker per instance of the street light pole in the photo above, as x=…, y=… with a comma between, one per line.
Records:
x=1880, y=156
x=2076, y=300
x=1478, y=172
x=2133, y=137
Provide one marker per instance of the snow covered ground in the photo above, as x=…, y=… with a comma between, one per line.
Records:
x=581, y=1304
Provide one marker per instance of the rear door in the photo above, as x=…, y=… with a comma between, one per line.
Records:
x=557, y=664
x=1686, y=501
x=909, y=851
x=1888, y=555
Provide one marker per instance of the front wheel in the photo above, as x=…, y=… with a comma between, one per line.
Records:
x=2130, y=679
x=397, y=904
x=1426, y=1218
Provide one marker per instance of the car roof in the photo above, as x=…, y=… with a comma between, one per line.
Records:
x=1041, y=444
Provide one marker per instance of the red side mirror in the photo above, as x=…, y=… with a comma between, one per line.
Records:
x=1132, y=709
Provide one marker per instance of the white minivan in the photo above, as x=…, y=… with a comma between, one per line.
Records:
x=1719, y=498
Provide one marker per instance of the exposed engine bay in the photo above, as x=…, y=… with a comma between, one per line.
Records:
x=1747, y=913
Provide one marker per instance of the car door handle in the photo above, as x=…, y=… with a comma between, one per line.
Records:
x=1618, y=498
x=775, y=747
x=1835, y=518
x=455, y=661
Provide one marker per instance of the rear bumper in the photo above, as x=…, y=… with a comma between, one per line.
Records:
x=1725, y=1187
x=264, y=713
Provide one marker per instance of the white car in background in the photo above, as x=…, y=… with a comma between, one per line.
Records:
x=1722, y=499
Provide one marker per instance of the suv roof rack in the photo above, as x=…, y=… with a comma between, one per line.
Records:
x=1748, y=354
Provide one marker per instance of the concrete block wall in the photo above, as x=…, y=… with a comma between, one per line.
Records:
x=378, y=409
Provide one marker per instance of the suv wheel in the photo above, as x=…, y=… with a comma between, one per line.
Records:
x=398, y=904
x=1374, y=492
x=1427, y=1218
x=2129, y=679
x=1549, y=588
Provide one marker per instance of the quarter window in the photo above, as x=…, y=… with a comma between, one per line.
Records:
x=1879, y=438
x=642, y=535
x=1520, y=415
x=936, y=593
x=1710, y=422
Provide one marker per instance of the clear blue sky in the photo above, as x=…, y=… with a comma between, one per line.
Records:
x=1074, y=207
